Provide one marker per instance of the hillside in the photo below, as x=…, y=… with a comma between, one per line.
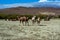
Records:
x=29, y=10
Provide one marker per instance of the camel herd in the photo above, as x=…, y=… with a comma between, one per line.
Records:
x=25, y=19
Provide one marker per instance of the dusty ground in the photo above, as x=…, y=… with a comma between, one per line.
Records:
x=13, y=30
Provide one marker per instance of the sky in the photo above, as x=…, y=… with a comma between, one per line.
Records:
x=25, y=3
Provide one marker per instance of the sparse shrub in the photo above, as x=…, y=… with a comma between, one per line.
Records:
x=59, y=16
x=14, y=16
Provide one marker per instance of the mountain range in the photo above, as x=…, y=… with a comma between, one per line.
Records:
x=34, y=8
x=29, y=10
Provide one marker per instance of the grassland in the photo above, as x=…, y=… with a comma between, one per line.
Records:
x=13, y=30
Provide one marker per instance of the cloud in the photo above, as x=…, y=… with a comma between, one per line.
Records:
x=42, y=1
x=49, y=1
x=48, y=4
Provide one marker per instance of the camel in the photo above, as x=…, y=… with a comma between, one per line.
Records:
x=23, y=19
x=26, y=20
x=33, y=19
x=38, y=20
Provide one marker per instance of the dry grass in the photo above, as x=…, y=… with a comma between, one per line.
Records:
x=12, y=30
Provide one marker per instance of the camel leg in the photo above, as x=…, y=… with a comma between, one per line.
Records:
x=38, y=22
x=27, y=23
x=33, y=22
x=21, y=22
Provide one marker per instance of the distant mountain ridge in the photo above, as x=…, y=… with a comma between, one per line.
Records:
x=34, y=4
x=48, y=4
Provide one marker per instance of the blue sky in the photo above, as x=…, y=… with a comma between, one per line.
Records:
x=22, y=1
x=16, y=1
x=26, y=3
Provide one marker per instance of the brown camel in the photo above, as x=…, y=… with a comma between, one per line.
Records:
x=23, y=19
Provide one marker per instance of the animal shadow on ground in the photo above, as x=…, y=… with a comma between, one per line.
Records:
x=34, y=25
x=42, y=25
